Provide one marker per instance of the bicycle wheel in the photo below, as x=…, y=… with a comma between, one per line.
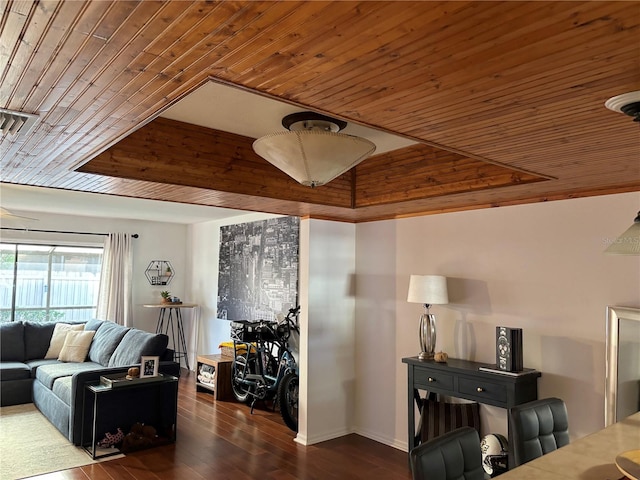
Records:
x=288, y=400
x=242, y=367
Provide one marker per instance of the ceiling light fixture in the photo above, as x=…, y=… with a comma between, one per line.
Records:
x=627, y=103
x=629, y=242
x=312, y=152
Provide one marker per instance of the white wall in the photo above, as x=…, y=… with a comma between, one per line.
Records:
x=327, y=299
x=539, y=267
x=157, y=241
x=375, y=342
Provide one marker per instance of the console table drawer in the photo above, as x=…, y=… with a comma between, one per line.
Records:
x=482, y=389
x=434, y=380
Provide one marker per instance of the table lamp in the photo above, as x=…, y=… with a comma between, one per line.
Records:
x=428, y=290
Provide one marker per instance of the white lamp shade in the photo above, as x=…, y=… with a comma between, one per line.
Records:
x=313, y=157
x=628, y=243
x=428, y=289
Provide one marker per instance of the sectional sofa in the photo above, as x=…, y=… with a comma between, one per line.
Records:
x=56, y=384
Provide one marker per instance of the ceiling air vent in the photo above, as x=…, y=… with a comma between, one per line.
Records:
x=16, y=123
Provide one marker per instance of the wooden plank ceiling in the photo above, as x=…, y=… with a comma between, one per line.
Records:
x=506, y=99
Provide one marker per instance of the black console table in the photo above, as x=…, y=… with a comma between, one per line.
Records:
x=463, y=379
x=153, y=401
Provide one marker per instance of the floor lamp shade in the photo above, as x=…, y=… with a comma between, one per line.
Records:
x=428, y=290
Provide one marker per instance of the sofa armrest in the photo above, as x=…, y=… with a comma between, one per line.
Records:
x=79, y=380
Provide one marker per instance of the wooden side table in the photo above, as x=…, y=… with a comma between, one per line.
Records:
x=221, y=383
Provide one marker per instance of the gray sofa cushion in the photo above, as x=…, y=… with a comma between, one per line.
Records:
x=14, y=371
x=47, y=374
x=93, y=324
x=105, y=341
x=34, y=364
x=37, y=337
x=12, y=342
x=135, y=344
x=62, y=389
x=52, y=407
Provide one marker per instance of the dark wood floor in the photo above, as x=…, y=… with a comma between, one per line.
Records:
x=221, y=440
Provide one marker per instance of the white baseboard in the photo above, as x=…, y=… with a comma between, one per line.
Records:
x=391, y=442
x=323, y=437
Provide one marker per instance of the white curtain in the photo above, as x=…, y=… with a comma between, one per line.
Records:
x=115, y=297
x=192, y=338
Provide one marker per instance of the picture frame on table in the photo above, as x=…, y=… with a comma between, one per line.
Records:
x=149, y=366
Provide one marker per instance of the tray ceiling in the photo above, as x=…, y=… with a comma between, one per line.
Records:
x=504, y=100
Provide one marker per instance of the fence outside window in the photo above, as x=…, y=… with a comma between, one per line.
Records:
x=48, y=283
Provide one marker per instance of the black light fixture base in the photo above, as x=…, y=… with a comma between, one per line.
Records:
x=627, y=103
x=633, y=110
x=306, y=116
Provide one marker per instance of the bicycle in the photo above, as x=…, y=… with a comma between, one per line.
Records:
x=264, y=366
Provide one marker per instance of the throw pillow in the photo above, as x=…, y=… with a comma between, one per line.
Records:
x=105, y=341
x=57, y=339
x=93, y=324
x=37, y=336
x=135, y=344
x=76, y=346
x=12, y=341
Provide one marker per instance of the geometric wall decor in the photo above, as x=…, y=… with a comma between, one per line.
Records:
x=159, y=272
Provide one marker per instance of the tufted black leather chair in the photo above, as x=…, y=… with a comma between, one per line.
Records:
x=537, y=428
x=453, y=455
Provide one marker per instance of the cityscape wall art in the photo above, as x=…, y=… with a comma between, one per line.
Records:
x=258, y=271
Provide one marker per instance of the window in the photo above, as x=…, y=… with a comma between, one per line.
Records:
x=46, y=283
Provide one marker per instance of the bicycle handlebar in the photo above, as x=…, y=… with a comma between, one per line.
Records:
x=272, y=326
x=293, y=312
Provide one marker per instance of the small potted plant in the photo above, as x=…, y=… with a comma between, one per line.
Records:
x=166, y=296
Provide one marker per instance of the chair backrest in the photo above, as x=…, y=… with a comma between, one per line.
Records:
x=453, y=455
x=537, y=428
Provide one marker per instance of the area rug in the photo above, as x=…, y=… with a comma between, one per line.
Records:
x=30, y=445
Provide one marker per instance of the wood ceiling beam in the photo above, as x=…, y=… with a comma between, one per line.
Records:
x=173, y=152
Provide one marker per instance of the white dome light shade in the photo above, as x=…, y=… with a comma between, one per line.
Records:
x=313, y=153
x=629, y=242
x=313, y=157
x=627, y=103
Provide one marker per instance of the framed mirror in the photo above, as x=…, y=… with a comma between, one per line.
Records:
x=622, y=388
